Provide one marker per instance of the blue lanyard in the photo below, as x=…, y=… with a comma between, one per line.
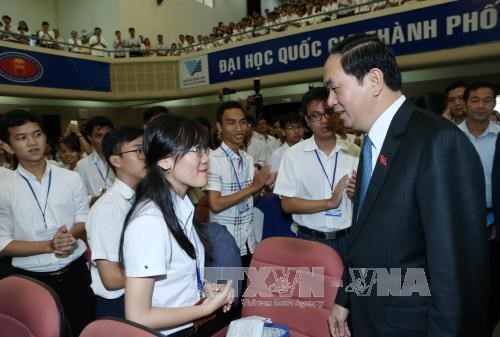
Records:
x=199, y=281
x=104, y=178
x=234, y=168
x=36, y=199
x=324, y=171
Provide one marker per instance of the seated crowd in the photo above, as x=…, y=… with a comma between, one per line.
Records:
x=281, y=18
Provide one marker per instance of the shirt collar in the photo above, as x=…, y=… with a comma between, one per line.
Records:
x=184, y=209
x=310, y=145
x=379, y=129
x=492, y=129
x=30, y=176
x=125, y=191
x=227, y=150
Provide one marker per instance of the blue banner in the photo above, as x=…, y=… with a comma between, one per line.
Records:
x=455, y=24
x=31, y=68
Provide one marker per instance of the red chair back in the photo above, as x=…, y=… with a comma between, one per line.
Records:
x=115, y=327
x=202, y=210
x=29, y=308
x=294, y=282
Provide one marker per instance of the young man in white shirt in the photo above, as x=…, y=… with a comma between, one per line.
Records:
x=233, y=180
x=94, y=170
x=292, y=129
x=75, y=44
x=43, y=209
x=313, y=174
x=123, y=149
x=98, y=43
x=46, y=36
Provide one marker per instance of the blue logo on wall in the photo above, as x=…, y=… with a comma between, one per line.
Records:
x=193, y=66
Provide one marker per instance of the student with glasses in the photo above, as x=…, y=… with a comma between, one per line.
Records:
x=313, y=174
x=123, y=150
x=162, y=249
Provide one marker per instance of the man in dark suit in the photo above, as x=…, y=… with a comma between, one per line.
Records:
x=418, y=234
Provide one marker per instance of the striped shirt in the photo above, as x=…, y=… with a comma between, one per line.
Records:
x=228, y=173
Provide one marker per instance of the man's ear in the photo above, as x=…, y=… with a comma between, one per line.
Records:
x=7, y=148
x=219, y=126
x=375, y=80
x=115, y=160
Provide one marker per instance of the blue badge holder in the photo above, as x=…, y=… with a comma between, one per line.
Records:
x=275, y=330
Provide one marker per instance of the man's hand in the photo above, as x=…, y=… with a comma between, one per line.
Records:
x=336, y=198
x=337, y=322
x=261, y=176
x=63, y=242
x=350, y=186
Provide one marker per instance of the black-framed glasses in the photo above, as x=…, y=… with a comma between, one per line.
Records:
x=138, y=151
x=316, y=116
x=199, y=150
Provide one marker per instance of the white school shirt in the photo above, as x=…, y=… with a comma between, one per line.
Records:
x=104, y=229
x=149, y=249
x=276, y=157
x=300, y=175
x=95, y=173
x=222, y=178
x=5, y=173
x=21, y=218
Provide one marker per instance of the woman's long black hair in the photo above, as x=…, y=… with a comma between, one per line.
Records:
x=167, y=136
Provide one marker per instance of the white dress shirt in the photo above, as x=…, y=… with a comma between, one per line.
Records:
x=276, y=157
x=21, y=216
x=379, y=129
x=95, y=173
x=302, y=175
x=104, y=230
x=150, y=250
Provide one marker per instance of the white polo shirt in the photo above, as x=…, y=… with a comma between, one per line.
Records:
x=104, y=230
x=301, y=175
x=149, y=249
x=222, y=170
x=21, y=218
x=5, y=173
x=95, y=173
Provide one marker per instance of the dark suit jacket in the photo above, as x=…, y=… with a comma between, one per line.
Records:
x=495, y=186
x=424, y=209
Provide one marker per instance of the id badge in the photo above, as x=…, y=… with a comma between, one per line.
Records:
x=334, y=212
x=244, y=206
x=45, y=234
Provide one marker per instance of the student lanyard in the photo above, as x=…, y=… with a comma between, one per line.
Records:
x=234, y=168
x=36, y=199
x=324, y=171
x=104, y=178
x=199, y=281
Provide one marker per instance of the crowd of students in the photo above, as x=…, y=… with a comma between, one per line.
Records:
x=281, y=18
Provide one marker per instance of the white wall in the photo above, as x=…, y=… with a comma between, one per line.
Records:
x=31, y=11
x=85, y=15
x=268, y=4
x=174, y=17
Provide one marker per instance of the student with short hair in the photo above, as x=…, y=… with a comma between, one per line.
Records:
x=43, y=209
x=94, y=170
x=233, y=180
x=123, y=149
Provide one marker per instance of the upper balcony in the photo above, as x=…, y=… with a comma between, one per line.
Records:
x=427, y=34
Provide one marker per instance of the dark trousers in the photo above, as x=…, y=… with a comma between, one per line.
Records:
x=110, y=307
x=73, y=288
x=341, y=245
x=494, y=305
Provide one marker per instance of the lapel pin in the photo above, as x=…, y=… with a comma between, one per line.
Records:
x=382, y=160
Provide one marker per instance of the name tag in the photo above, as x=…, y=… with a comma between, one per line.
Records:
x=244, y=206
x=45, y=234
x=334, y=212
